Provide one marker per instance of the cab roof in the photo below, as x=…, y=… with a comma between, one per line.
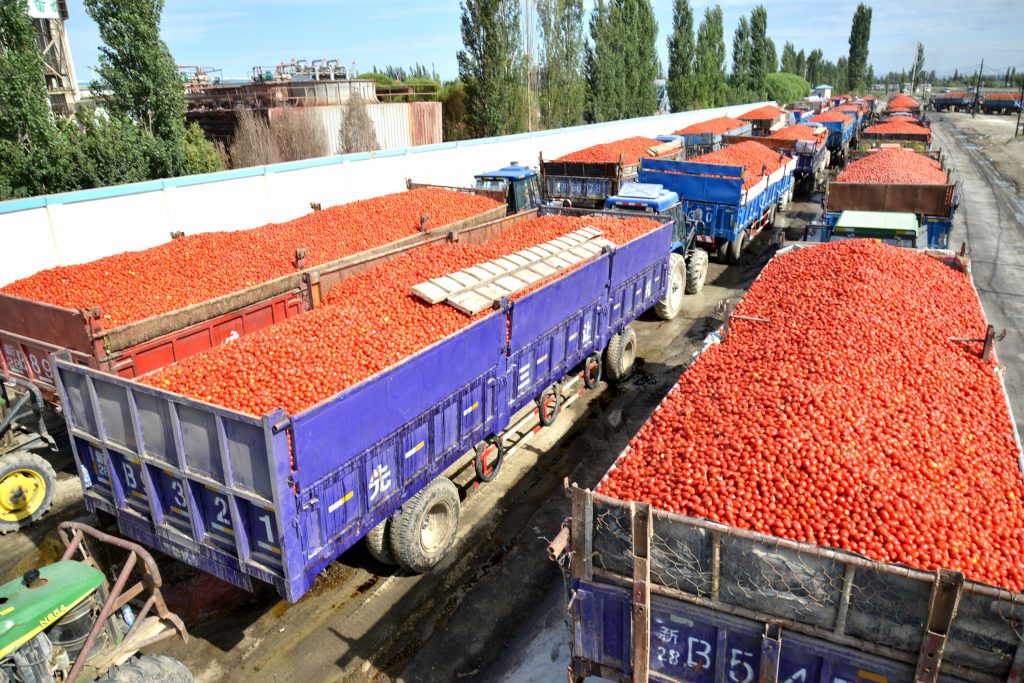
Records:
x=509, y=172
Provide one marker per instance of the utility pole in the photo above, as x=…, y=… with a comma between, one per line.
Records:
x=977, y=91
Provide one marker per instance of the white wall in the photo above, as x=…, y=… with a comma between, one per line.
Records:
x=43, y=232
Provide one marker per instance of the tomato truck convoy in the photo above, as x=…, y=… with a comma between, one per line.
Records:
x=276, y=498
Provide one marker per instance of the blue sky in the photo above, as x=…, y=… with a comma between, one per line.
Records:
x=235, y=35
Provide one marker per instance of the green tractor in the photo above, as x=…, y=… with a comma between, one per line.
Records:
x=66, y=621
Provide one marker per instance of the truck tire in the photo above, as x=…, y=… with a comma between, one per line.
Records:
x=27, y=485
x=487, y=467
x=668, y=308
x=425, y=529
x=592, y=370
x=696, y=271
x=378, y=542
x=549, y=404
x=736, y=247
x=149, y=669
x=620, y=355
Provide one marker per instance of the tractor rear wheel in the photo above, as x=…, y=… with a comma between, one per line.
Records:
x=27, y=485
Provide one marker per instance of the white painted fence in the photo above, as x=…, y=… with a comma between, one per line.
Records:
x=43, y=232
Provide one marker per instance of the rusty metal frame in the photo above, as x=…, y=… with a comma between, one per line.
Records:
x=73, y=535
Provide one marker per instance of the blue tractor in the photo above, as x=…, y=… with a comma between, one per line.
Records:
x=688, y=269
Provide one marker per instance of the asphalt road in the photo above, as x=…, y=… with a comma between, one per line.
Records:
x=990, y=219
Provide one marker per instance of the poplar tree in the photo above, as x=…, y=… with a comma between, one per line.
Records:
x=741, y=57
x=138, y=80
x=789, y=59
x=860, y=34
x=622, y=61
x=642, y=60
x=563, y=90
x=762, y=51
x=493, y=67
x=814, y=71
x=801, y=64
x=709, y=63
x=605, y=67
x=681, y=54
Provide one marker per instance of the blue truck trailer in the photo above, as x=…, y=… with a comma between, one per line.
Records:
x=277, y=498
x=840, y=134
x=933, y=205
x=812, y=158
x=587, y=184
x=713, y=195
x=705, y=143
x=659, y=596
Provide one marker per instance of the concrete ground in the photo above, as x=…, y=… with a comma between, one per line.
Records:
x=495, y=607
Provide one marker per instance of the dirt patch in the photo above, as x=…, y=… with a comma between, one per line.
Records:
x=994, y=135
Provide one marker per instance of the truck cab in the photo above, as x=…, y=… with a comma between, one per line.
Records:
x=521, y=185
x=652, y=199
x=689, y=265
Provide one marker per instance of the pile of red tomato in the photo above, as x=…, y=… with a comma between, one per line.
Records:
x=898, y=128
x=369, y=322
x=630, y=150
x=192, y=269
x=897, y=166
x=800, y=131
x=717, y=126
x=753, y=156
x=831, y=117
x=850, y=420
x=764, y=113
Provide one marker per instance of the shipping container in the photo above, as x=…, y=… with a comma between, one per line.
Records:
x=277, y=498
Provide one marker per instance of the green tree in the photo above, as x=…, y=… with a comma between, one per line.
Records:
x=709, y=64
x=453, y=112
x=137, y=75
x=860, y=34
x=563, y=90
x=840, y=75
x=789, y=64
x=622, y=61
x=786, y=87
x=918, y=66
x=606, y=76
x=814, y=72
x=642, y=59
x=801, y=64
x=869, y=79
x=681, y=53
x=493, y=67
x=741, y=79
x=138, y=80
x=762, y=51
x=24, y=108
